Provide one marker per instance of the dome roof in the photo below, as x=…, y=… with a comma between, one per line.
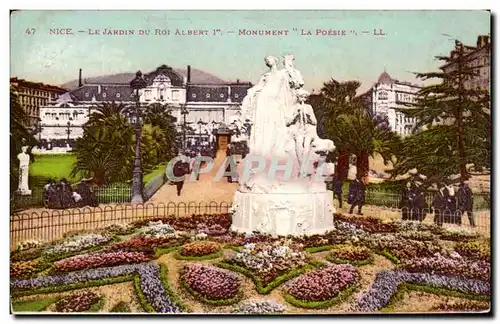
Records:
x=385, y=78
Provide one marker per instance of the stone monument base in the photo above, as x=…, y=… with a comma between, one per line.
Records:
x=24, y=192
x=283, y=213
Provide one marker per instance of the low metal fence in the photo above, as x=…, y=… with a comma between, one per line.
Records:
x=53, y=224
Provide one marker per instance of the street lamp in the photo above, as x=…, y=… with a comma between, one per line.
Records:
x=136, y=84
x=68, y=131
x=39, y=130
x=184, y=112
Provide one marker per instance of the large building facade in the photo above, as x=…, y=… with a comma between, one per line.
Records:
x=207, y=105
x=477, y=57
x=33, y=95
x=386, y=96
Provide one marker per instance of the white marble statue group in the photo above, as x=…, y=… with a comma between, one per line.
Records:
x=283, y=126
x=285, y=194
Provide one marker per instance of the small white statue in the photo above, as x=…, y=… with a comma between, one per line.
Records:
x=24, y=161
x=303, y=129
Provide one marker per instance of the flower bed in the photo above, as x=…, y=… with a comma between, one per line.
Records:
x=143, y=244
x=387, y=283
x=199, y=250
x=98, y=260
x=414, y=226
x=356, y=255
x=402, y=249
x=321, y=288
x=259, y=307
x=150, y=286
x=417, y=235
x=28, y=245
x=454, y=265
x=77, y=243
x=462, y=306
x=458, y=234
x=269, y=261
x=24, y=269
x=77, y=302
x=26, y=255
x=185, y=223
x=369, y=224
x=475, y=250
x=316, y=240
x=211, y=284
x=120, y=229
x=215, y=229
x=156, y=230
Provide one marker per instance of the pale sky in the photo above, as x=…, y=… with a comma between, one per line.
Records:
x=412, y=40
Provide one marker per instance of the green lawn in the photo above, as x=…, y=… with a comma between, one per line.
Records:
x=55, y=166
x=36, y=305
x=160, y=169
x=59, y=166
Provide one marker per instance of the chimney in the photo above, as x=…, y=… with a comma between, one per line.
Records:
x=80, y=79
x=189, y=74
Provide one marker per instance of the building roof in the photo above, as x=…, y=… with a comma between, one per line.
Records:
x=37, y=85
x=385, y=78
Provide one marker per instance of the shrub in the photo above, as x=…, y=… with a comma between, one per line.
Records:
x=26, y=255
x=98, y=260
x=120, y=307
x=322, y=284
x=77, y=302
x=475, y=250
x=350, y=253
x=199, y=248
x=211, y=282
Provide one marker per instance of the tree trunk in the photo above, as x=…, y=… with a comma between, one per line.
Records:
x=459, y=121
x=342, y=168
x=362, y=166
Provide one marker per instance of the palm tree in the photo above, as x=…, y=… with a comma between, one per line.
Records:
x=105, y=151
x=343, y=118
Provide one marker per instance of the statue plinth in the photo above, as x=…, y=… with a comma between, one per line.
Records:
x=23, y=192
x=283, y=213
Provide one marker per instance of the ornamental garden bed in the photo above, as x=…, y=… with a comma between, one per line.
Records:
x=290, y=275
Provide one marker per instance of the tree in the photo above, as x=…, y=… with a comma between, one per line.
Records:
x=106, y=150
x=19, y=136
x=455, y=120
x=343, y=118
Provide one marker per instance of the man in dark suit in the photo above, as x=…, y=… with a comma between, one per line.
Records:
x=466, y=201
x=356, y=195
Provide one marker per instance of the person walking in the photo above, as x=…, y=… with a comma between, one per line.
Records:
x=337, y=190
x=181, y=168
x=466, y=201
x=356, y=195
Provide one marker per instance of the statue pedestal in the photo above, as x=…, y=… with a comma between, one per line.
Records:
x=24, y=192
x=283, y=213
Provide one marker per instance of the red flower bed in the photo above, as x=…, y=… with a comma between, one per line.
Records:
x=144, y=244
x=192, y=222
x=211, y=282
x=323, y=284
x=98, y=260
